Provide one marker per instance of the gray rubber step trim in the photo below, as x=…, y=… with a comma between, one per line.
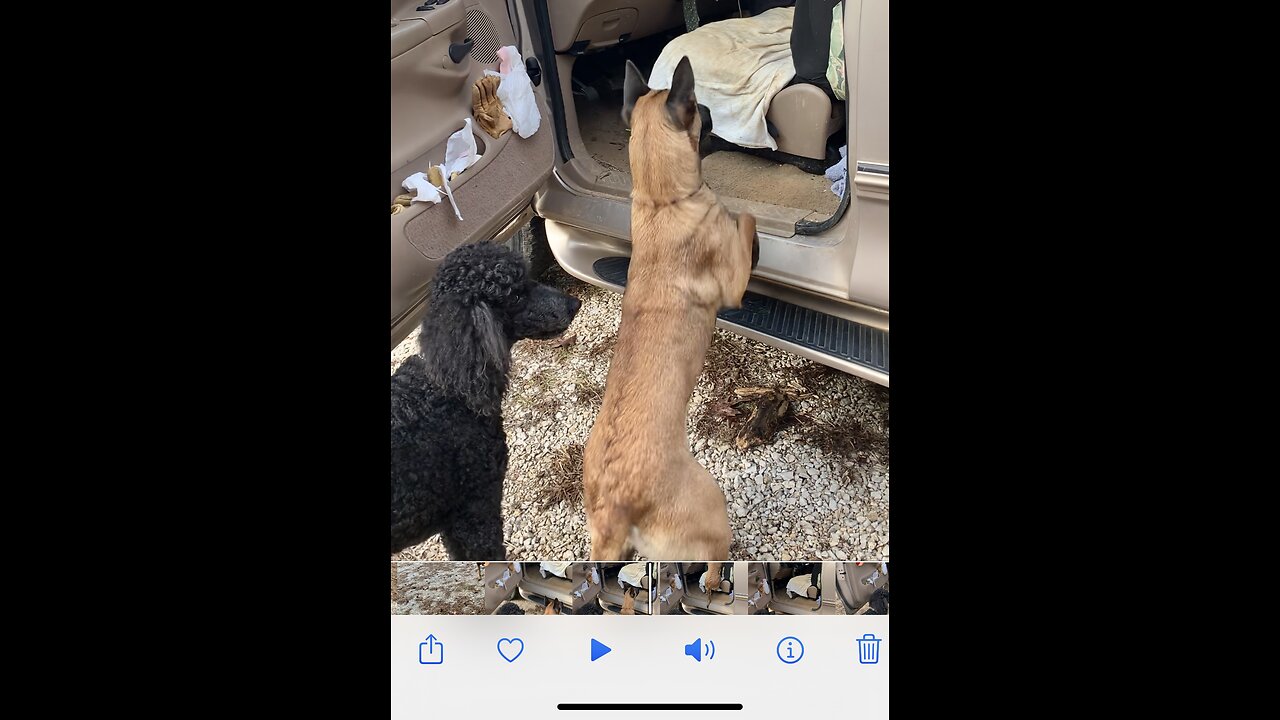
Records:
x=845, y=339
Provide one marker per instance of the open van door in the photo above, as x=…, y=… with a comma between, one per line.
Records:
x=821, y=287
x=857, y=583
x=439, y=49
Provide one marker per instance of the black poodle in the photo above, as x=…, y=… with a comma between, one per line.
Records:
x=509, y=608
x=448, y=450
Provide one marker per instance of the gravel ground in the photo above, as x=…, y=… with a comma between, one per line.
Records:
x=819, y=490
x=436, y=588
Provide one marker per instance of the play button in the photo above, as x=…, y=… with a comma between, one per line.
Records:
x=599, y=649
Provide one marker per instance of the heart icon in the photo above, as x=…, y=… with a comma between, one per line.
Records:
x=510, y=644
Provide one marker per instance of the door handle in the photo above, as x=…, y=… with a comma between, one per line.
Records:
x=458, y=51
x=534, y=70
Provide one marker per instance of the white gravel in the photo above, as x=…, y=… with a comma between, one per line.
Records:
x=787, y=500
x=436, y=588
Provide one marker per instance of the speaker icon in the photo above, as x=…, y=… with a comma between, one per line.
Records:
x=696, y=649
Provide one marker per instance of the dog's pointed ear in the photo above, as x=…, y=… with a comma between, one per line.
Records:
x=681, y=104
x=633, y=88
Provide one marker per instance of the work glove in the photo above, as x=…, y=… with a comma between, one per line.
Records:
x=487, y=108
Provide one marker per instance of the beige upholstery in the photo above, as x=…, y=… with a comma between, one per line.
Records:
x=805, y=117
x=600, y=22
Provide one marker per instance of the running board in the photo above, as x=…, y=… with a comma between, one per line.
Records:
x=800, y=327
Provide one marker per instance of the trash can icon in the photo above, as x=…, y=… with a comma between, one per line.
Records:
x=869, y=649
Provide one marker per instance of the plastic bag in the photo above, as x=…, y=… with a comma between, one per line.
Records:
x=448, y=191
x=516, y=92
x=426, y=192
x=460, y=153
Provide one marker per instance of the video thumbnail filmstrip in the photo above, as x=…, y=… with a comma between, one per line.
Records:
x=639, y=588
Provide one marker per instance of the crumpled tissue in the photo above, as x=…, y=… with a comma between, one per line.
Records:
x=459, y=154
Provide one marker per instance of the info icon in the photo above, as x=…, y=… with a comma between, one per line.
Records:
x=790, y=650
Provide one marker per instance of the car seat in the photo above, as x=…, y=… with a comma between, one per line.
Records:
x=805, y=112
x=803, y=115
x=809, y=584
x=611, y=591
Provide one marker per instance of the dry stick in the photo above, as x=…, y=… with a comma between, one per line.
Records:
x=795, y=398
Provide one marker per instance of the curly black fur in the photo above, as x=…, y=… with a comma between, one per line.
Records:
x=591, y=608
x=509, y=608
x=879, y=602
x=448, y=449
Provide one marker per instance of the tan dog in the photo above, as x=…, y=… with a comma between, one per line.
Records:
x=713, y=577
x=690, y=257
x=629, y=602
x=552, y=608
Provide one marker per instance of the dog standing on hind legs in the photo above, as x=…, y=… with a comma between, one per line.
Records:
x=642, y=487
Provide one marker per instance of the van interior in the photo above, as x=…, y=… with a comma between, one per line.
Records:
x=618, y=578
x=584, y=588
x=793, y=588
x=863, y=587
x=781, y=186
x=699, y=588
x=575, y=585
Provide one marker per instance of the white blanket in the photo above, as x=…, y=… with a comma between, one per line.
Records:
x=799, y=586
x=555, y=568
x=632, y=574
x=738, y=64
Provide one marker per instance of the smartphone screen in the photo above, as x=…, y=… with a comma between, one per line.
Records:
x=640, y=364
x=680, y=638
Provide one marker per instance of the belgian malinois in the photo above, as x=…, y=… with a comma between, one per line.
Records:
x=643, y=489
